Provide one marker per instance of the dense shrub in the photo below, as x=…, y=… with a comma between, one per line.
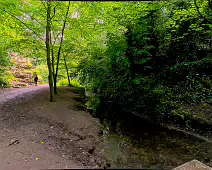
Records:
x=64, y=82
x=4, y=83
x=150, y=70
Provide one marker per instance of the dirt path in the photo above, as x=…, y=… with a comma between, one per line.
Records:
x=38, y=134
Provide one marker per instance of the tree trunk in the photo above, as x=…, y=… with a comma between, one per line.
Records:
x=48, y=51
x=69, y=83
x=58, y=55
x=52, y=52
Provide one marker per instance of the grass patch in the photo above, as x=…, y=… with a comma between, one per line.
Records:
x=64, y=82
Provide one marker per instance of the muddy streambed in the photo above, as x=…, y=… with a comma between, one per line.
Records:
x=138, y=144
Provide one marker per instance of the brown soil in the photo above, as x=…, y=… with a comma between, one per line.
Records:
x=38, y=134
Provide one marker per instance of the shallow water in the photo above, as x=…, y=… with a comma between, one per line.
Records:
x=138, y=144
x=152, y=147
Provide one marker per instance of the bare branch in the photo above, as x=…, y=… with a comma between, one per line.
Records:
x=55, y=38
x=63, y=29
x=61, y=43
x=54, y=10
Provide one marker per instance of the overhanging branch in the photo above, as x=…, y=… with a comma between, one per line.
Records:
x=210, y=4
x=195, y=3
x=22, y=23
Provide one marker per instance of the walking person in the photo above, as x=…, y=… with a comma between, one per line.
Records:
x=36, y=79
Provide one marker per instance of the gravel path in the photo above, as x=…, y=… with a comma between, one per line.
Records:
x=7, y=94
x=38, y=134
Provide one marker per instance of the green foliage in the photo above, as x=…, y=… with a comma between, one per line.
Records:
x=75, y=83
x=4, y=83
x=80, y=90
x=152, y=66
x=8, y=75
x=5, y=78
x=4, y=60
x=42, y=72
x=64, y=82
x=93, y=102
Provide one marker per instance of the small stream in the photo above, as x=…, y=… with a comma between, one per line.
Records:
x=137, y=144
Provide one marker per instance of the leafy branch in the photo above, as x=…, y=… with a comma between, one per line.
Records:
x=195, y=3
x=22, y=23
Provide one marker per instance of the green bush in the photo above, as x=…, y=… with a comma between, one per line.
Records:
x=75, y=83
x=9, y=76
x=93, y=103
x=4, y=83
x=42, y=72
x=5, y=79
x=64, y=82
x=181, y=71
x=81, y=90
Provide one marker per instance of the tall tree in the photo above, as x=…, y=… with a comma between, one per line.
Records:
x=60, y=48
x=30, y=17
x=48, y=50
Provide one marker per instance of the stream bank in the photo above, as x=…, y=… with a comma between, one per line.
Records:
x=143, y=145
x=136, y=143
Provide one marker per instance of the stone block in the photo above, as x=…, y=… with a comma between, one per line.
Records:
x=193, y=165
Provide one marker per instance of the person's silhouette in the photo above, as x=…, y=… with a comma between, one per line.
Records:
x=36, y=79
